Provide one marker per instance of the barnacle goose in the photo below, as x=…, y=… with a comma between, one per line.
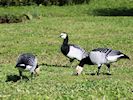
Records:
x=101, y=56
x=27, y=62
x=70, y=50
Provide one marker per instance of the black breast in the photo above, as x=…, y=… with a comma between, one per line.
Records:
x=85, y=61
x=65, y=49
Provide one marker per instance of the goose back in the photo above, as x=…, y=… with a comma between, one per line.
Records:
x=105, y=55
x=27, y=61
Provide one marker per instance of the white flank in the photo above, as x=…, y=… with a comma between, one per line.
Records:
x=97, y=57
x=75, y=53
x=79, y=69
x=114, y=58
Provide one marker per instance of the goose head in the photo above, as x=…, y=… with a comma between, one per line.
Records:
x=63, y=35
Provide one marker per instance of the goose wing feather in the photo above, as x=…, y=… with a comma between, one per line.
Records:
x=75, y=46
x=108, y=51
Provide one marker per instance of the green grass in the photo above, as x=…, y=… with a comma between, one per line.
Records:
x=63, y=11
x=40, y=36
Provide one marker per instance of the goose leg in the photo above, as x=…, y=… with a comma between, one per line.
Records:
x=20, y=74
x=37, y=70
x=32, y=75
x=71, y=60
x=108, y=65
x=70, y=64
x=99, y=66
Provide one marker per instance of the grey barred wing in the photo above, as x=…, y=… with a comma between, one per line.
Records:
x=104, y=50
x=108, y=51
x=27, y=59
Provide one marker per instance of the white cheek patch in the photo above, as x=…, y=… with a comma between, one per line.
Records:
x=63, y=35
x=79, y=69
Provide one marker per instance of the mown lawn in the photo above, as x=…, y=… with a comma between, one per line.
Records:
x=41, y=37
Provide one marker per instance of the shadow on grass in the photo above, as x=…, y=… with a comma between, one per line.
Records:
x=123, y=11
x=14, y=78
x=107, y=74
x=52, y=65
x=92, y=73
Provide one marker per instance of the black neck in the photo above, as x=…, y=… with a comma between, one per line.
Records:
x=65, y=41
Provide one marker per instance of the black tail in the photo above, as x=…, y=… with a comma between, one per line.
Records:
x=125, y=57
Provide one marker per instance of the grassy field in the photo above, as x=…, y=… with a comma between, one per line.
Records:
x=41, y=37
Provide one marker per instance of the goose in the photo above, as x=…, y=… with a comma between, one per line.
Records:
x=70, y=50
x=101, y=56
x=27, y=62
